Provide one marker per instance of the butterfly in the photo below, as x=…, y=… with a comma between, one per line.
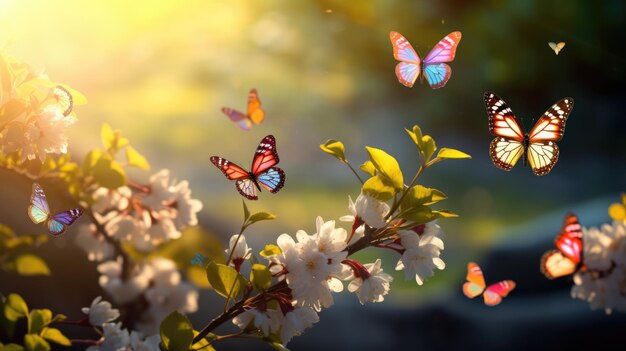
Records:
x=198, y=259
x=475, y=286
x=64, y=99
x=261, y=172
x=569, y=242
x=538, y=147
x=556, y=47
x=433, y=67
x=255, y=114
x=39, y=212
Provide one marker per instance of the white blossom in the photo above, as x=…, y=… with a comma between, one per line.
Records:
x=296, y=321
x=123, y=291
x=94, y=244
x=421, y=253
x=115, y=338
x=107, y=199
x=138, y=343
x=46, y=134
x=374, y=287
x=241, y=251
x=267, y=321
x=100, y=312
x=368, y=209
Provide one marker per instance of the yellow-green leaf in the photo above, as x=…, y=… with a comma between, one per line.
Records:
x=416, y=136
x=29, y=265
x=387, y=166
x=270, y=250
x=335, y=148
x=378, y=188
x=368, y=167
x=15, y=307
x=444, y=214
x=225, y=280
x=109, y=174
x=6, y=232
x=204, y=343
x=38, y=319
x=107, y=135
x=261, y=216
x=12, y=347
x=246, y=212
x=419, y=214
x=452, y=153
x=34, y=342
x=260, y=276
x=278, y=346
x=54, y=335
x=176, y=332
x=197, y=276
x=429, y=147
x=136, y=159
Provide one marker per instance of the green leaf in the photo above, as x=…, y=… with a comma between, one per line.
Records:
x=15, y=307
x=418, y=195
x=419, y=214
x=6, y=232
x=260, y=276
x=452, y=153
x=378, y=188
x=246, y=212
x=416, y=135
x=225, y=280
x=107, y=135
x=260, y=216
x=387, y=166
x=34, y=342
x=12, y=347
x=204, y=343
x=29, y=265
x=176, y=332
x=429, y=147
x=109, y=174
x=270, y=250
x=136, y=159
x=335, y=148
x=278, y=346
x=444, y=214
x=91, y=159
x=54, y=335
x=437, y=196
x=38, y=319
x=368, y=167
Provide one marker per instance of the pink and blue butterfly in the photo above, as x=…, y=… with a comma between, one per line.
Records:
x=39, y=212
x=434, y=66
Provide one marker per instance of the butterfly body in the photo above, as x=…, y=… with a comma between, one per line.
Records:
x=538, y=147
x=262, y=171
x=568, y=258
x=556, y=47
x=476, y=286
x=39, y=212
x=433, y=68
x=254, y=115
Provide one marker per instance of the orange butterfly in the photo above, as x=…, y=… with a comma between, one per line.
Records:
x=475, y=286
x=255, y=114
x=538, y=147
x=568, y=258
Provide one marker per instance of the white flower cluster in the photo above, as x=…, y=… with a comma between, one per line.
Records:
x=100, y=314
x=42, y=133
x=602, y=280
x=314, y=266
x=156, y=281
x=146, y=219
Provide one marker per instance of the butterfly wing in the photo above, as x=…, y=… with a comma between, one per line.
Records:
x=555, y=264
x=230, y=170
x=475, y=284
x=273, y=179
x=247, y=188
x=494, y=293
x=408, y=69
x=508, y=147
x=437, y=75
x=240, y=118
x=551, y=126
x=445, y=50
x=64, y=99
x=265, y=156
x=60, y=221
x=505, y=152
x=255, y=112
x=569, y=240
x=38, y=211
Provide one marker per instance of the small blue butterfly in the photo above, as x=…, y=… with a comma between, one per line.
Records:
x=39, y=212
x=198, y=259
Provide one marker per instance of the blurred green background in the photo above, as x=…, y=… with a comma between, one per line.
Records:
x=161, y=71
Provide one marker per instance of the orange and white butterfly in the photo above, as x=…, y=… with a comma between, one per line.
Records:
x=538, y=147
x=255, y=114
x=568, y=258
x=475, y=286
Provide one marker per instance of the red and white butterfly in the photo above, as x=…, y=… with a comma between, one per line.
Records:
x=262, y=172
x=538, y=147
x=255, y=114
x=475, y=286
x=568, y=258
x=434, y=68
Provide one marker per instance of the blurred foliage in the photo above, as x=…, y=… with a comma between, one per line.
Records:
x=15, y=255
